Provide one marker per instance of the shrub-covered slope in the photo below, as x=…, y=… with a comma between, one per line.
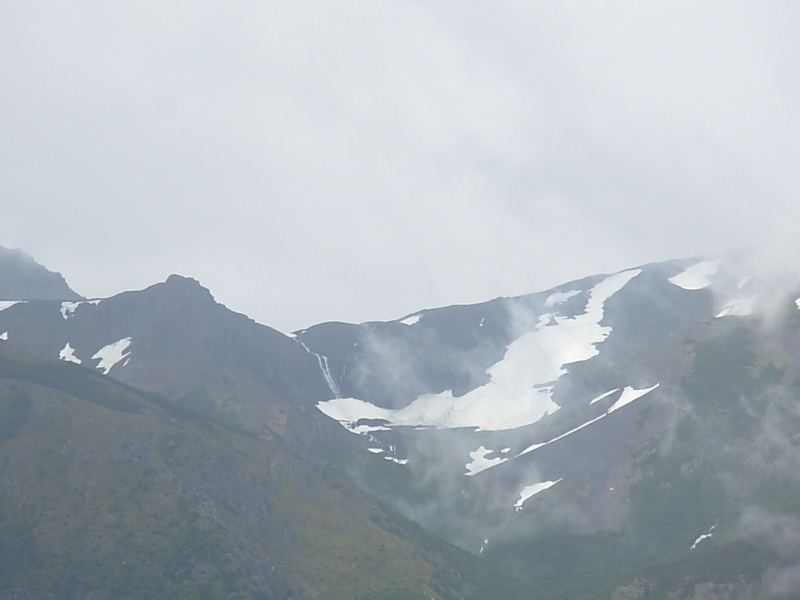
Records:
x=107, y=492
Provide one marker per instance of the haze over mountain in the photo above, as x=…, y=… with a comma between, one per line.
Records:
x=25, y=279
x=627, y=435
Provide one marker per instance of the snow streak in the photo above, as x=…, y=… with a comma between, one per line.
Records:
x=531, y=490
x=628, y=395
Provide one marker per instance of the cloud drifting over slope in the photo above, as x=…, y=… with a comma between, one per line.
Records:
x=363, y=160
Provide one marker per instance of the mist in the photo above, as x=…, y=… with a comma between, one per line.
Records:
x=360, y=163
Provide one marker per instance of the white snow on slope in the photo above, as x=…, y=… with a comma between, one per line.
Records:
x=412, y=319
x=68, y=309
x=533, y=447
x=111, y=354
x=531, y=490
x=557, y=298
x=696, y=277
x=630, y=394
x=519, y=391
x=4, y=304
x=4, y=336
x=627, y=396
x=480, y=463
x=601, y=396
x=738, y=307
x=68, y=354
x=376, y=450
x=705, y=536
x=797, y=303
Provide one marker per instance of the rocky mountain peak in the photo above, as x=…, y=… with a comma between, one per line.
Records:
x=179, y=290
x=22, y=278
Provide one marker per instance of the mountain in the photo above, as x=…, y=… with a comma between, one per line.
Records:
x=174, y=339
x=22, y=278
x=611, y=425
x=109, y=492
x=628, y=435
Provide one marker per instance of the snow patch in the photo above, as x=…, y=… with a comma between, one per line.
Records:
x=630, y=394
x=519, y=391
x=397, y=461
x=68, y=354
x=797, y=303
x=68, y=309
x=5, y=304
x=738, y=307
x=376, y=450
x=696, y=277
x=352, y=410
x=4, y=336
x=532, y=490
x=111, y=354
x=557, y=298
x=627, y=396
x=601, y=396
x=411, y=319
x=365, y=429
x=533, y=447
x=705, y=536
x=480, y=462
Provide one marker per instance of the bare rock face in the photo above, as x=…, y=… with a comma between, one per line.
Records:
x=22, y=278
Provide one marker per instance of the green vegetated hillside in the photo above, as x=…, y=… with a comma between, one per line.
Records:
x=740, y=441
x=108, y=492
x=738, y=450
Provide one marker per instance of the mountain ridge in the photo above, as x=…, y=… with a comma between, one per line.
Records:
x=592, y=426
x=22, y=278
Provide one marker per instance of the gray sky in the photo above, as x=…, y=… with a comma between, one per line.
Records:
x=360, y=160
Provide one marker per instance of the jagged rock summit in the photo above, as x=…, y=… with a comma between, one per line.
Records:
x=22, y=278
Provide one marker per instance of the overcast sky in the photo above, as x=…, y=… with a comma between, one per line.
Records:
x=360, y=160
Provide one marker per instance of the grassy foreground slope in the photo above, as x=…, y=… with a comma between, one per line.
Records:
x=108, y=492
